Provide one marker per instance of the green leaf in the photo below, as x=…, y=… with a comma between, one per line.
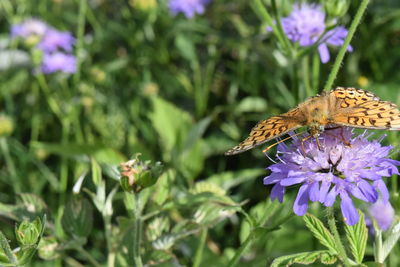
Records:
x=171, y=123
x=301, y=258
x=5, y=247
x=392, y=238
x=251, y=104
x=77, y=219
x=186, y=47
x=100, y=153
x=320, y=232
x=357, y=236
x=96, y=171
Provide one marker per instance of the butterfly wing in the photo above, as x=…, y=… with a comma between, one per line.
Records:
x=268, y=129
x=362, y=109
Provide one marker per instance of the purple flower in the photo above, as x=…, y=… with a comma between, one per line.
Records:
x=58, y=62
x=28, y=28
x=305, y=26
x=382, y=212
x=334, y=170
x=188, y=7
x=54, y=40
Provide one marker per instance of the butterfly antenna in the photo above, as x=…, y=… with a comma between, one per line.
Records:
x=280, y=141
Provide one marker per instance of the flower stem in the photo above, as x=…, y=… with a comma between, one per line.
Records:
x=378, y=248
x=259, y=8
x=342, y=51
x=137, y=228
x=200, y=248
x=336, y=236
x=79, y=41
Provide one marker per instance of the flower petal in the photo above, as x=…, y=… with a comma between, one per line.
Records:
x=323, y=53
x=301, y=203
x=349, y=212
x=277, y=192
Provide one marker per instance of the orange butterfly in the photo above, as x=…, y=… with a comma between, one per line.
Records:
x=341, y=106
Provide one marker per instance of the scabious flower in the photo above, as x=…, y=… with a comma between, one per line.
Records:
x=306, y=25
x=54, y=40
x=28, y=28
x=333, y=170
x=56, y=46
x=188, y=7
x=382, y=212
x=58, y=61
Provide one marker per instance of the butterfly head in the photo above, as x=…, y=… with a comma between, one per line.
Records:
x=315, y=129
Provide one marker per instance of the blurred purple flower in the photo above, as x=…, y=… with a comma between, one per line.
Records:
x=305, y=26
x=382, y=212
x=28, y=28
x=333, y=170
x=188, y=7
x=58, y=62
x=54, y=40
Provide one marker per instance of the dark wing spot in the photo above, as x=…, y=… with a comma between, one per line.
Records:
x=382, y=109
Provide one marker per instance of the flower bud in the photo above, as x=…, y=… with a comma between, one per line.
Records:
x=6, y=125
x=336, y=8
x=28, y=233
x=137, y=175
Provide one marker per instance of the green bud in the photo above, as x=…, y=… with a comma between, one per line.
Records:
x=47, y=248
x=336, y=8
x=137, y=175
x=28, y=233
x=6, y=125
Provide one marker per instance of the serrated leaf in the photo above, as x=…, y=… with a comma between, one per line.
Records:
x=391, y=240
x=301, y=258
x=327, y=258
x=320, y=232
x=357, y=236
x=5, y=247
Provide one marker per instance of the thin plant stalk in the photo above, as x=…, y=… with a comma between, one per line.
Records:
x=336, y=236
x=199, y=252
x=347, y=40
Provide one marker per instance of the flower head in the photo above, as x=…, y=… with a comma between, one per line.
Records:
x=382, y=212
x=54, y=40
x=58, y=61
x=333, y=170
x=306, y=25
x=28, y=28
x=188, y=7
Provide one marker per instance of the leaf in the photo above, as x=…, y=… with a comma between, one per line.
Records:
x=5, y=247
x=391, y=240
x=357, y=236
x=100, y=153
x=186, y=47
x=251, y=104
x=231, y=179
x=77, y=219
x=301, y=258
x=320, y=232
x=96, y=171
x=171, y=123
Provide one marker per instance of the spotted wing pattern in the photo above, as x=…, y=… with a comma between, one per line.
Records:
x=362, y=109
x=268, y=129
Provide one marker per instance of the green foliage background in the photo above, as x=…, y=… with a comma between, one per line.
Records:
x=180, y=91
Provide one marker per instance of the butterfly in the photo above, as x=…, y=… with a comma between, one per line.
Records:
x=342, y=107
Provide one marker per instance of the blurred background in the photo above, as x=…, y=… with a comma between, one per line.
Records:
x=143, y=76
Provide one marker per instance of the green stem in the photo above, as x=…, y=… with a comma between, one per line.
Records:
x=200, y=248
x=137, y=226
x=336, y=236
x=79, y=38
x=306, y=75
x=315, y=72
x=10, y=164
x=259, y=8
x=378, y=247
x=88, y=257
x=342, y=51
x=239, y=252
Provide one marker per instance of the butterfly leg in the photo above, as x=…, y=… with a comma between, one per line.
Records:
x=341, y=137
x=302, y=143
